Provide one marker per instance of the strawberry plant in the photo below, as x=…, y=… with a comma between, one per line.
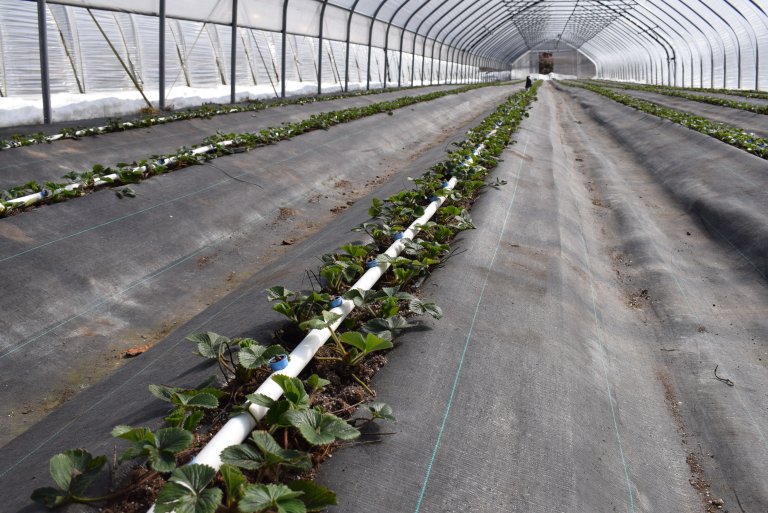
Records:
x=159, y=448
x=74, y=472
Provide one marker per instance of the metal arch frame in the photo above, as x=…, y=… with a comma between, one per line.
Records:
x=650, y=31
x=417, y=32
x=701, y=58
x=497, y=34
x=374, y=19
x=712, y=52
x=666, y=30
x=645, y=27
x=653, y=71
x=349, y=31
x=470, y=28
x=471, y=37
x=650, y=20
x=467, y=30
x=755, y=47
x=689, y=21
x=654, y=36
x=386, y=44
x=765, y=24
x=402, y=38
x=492, y=41
x=478, y=33
x=616, y=40
x=644, y=24
x=452, y=44
x=684, y=39
x=614, y=36
x=434, y=43
x=738, y=47
x=473, y=43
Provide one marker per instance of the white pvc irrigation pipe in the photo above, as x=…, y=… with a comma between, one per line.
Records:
x=31, y=199
x=237, y=429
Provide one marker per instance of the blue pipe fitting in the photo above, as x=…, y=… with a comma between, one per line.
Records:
x=278, y=362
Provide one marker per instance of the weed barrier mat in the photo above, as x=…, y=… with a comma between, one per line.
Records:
x=42, y=162
x=573, y=369
x=123, y=397
x=749, y=121
x=724, y=187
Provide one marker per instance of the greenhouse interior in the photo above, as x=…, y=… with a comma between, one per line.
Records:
x=288, y=256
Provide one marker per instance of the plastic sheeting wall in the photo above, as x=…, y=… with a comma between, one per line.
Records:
x=82, y=59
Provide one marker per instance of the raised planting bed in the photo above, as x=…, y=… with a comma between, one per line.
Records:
x=294, y=417
x=153, y=118
x=31, y=193
x=732, y=135
x=683, y=93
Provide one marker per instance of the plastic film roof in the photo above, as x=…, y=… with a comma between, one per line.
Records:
x=686, y=42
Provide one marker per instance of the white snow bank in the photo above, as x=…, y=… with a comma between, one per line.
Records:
x=19, y=111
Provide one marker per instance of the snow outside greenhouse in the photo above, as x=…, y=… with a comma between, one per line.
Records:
x=384, y=256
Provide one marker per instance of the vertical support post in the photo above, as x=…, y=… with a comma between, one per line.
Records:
x=45, y=81
x=284, y=44
x=233, y=55
x=320, y=49
x=161, y=57
x=346, y=54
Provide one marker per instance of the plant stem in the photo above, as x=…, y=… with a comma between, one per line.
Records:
x=336, y=339
x=363, y=384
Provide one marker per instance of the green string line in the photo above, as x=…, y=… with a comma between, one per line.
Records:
x=469, y=338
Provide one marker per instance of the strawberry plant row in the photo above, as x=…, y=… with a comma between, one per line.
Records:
x=206, y=111
x=677, y=93
x=218, y=145
x=760, y=95
x=732, y=135
x=329, y=404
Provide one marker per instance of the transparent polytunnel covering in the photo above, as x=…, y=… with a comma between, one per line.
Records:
x=533, y=233
x=173, y=53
